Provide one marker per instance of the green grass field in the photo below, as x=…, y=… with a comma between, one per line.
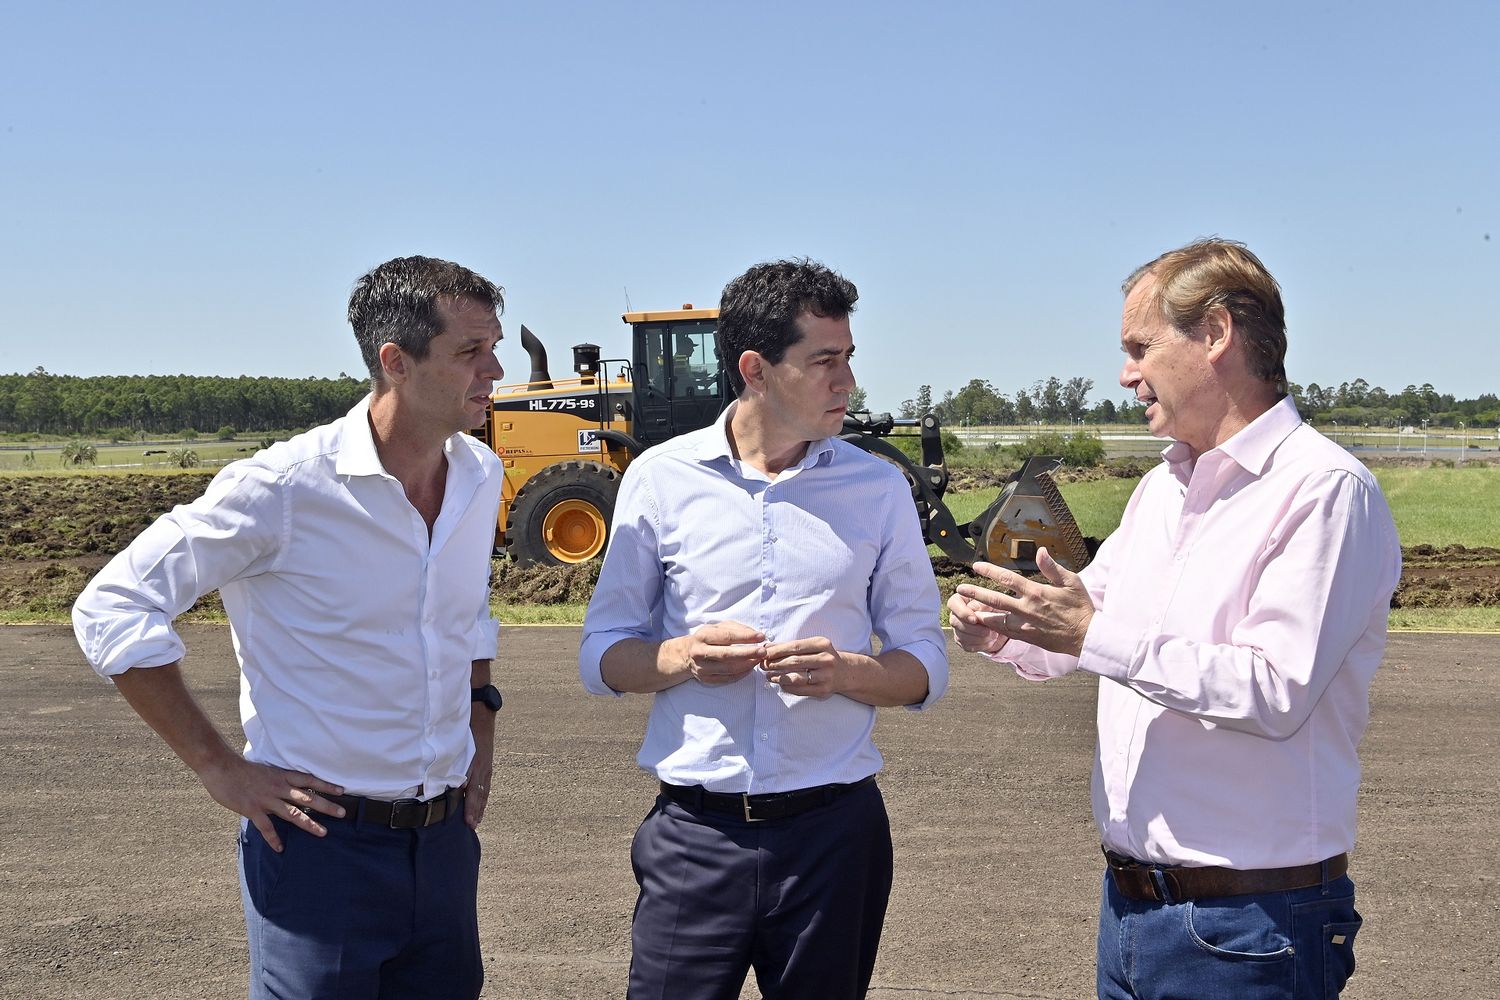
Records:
x=1432, y=506
x=1458, y=506
x=132, y=457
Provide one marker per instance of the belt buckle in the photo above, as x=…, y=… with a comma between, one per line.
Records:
x=407, y=814
x=750, y=817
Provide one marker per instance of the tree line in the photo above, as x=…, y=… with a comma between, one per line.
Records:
x=1049, y=401
x=1357, y=403
x=124, y=406
x=1066, y=401
x=127, y=406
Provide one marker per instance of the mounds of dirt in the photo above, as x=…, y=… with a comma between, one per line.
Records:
x=1121, y=468
x=512, y=583
x=47, y=588
x=56, y=531
x=60, y=517
x=962, y=478
x=1448, y=576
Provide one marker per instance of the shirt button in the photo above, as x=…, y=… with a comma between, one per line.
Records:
x=770, y=586
x=764, y=737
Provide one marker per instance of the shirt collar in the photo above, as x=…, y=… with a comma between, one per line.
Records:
x=1252, y=446
x=357, y=455
x=716, y=444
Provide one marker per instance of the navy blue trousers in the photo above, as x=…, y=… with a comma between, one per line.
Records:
x=800, y=900
x=366, y=912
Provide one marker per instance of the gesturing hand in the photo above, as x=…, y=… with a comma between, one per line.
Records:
x=969, y=619
x=1054, y=615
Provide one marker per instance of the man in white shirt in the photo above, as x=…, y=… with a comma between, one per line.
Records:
x=1236, y=617
x=749, y=564
x=353, y=561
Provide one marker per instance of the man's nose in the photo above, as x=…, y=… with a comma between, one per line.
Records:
x=1128, y=374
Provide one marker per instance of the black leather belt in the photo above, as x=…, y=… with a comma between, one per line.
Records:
x=1175, y=883
x=400, y=814
x=758, y=808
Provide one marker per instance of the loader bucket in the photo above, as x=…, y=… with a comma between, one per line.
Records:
x=1029, y=514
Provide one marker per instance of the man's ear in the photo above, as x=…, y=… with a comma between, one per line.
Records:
x=393, y=362
x=753, y=369
x=1218, y=333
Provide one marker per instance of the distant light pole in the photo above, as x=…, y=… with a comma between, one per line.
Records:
x=1335, y=432
x=1463, y=441
x=1424, y=438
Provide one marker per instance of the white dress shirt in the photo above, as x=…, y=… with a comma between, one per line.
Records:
x=355, y=633
x=1241, y=612
x=831, y=547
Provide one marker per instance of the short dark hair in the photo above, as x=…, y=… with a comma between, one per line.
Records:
x=759, y=309
x=397, y=302
x=1210, y=272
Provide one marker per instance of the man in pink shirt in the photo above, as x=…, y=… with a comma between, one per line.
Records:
x=1236, y=617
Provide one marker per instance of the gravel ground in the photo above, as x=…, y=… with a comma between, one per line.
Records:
x=117, y=871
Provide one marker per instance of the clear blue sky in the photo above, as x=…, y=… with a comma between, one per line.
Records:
x=189, y=187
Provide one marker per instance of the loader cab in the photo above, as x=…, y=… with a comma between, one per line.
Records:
x=679, y=385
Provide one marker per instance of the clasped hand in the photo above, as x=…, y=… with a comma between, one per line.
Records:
x=724, y=652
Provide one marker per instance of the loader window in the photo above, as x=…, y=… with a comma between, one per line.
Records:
x=676, y=379
x=658, y=370
x=693, y=370
x=680, y=361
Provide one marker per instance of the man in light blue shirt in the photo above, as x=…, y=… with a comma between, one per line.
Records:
x=749, y=565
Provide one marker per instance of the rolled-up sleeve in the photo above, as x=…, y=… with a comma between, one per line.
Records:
x=123, y=619
x=484, y=637
x=904, y=599
x=627, y=599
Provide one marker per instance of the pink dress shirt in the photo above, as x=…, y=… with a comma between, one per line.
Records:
x=1241, y=612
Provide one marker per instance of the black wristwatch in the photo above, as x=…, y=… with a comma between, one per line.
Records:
x=489, y=696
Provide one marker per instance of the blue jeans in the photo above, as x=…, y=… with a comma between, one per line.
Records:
x=1293, y=945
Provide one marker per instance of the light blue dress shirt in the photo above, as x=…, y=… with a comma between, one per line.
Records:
x=831, y=547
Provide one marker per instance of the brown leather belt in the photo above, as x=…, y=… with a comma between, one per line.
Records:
x=400, y=814
x=758, y=808
x=1175, y=883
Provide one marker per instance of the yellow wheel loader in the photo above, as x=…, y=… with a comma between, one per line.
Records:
x=565, y=443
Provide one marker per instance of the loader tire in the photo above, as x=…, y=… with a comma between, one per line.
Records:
x=561, y=516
